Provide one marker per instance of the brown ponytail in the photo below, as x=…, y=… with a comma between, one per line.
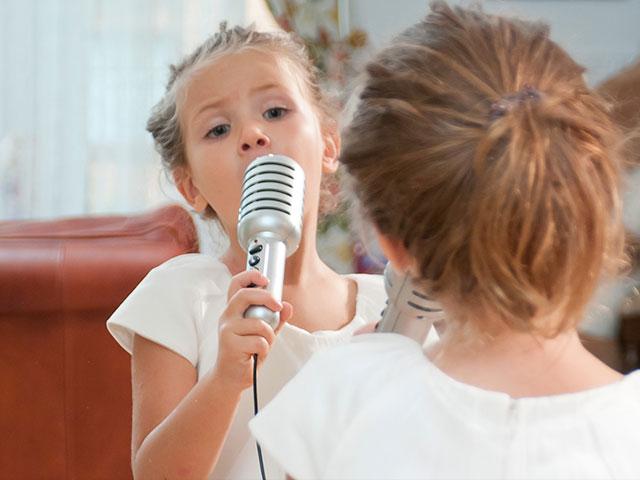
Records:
x=477, y=143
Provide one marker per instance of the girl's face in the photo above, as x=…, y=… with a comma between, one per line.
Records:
x=244, y=105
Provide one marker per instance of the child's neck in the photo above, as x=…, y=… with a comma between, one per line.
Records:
x=524, y=365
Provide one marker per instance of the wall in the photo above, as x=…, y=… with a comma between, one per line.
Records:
x=603, y=35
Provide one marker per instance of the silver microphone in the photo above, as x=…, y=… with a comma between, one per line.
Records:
x=270, y=222
x=409, y=311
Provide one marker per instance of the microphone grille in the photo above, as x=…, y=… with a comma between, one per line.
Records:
x=272, y=200
x=408, y=298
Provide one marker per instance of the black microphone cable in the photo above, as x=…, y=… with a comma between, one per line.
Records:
x=255, y=410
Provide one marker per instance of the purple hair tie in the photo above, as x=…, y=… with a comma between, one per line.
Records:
x=509, y=102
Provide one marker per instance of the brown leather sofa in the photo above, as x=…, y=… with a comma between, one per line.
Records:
x=65, y=393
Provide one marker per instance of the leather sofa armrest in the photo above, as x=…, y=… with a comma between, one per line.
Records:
x=86, y=263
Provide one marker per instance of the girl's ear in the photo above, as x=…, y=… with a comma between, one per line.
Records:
x=395, y=252
x=188, y=189
x=331, y=149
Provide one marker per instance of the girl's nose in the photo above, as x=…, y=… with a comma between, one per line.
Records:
x=253, y=140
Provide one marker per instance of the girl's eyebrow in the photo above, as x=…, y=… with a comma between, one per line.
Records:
x=266, y=86
x=216, y=103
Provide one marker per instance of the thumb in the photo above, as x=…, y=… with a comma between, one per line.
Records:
x=285, y=315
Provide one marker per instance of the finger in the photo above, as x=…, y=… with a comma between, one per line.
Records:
x=246, y=327
x=246, y=279
x=246, y=297
x=255, y=345
x=369, y=328
x=285, y=315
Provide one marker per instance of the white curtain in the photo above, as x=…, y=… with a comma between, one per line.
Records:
x=77, y=82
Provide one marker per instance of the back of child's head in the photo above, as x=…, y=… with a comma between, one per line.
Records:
x=478, y=146
x=164, y=121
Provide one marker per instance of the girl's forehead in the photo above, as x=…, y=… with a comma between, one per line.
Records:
x=249, y=65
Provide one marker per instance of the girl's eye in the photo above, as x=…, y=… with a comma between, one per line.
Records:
x=219, y=131
x=275, y=112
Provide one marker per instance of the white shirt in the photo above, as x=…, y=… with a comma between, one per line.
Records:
x=379, y=409
x=177, y=305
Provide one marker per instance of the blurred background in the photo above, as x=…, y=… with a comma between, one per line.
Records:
x=78, y=79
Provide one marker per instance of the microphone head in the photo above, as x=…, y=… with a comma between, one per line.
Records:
x=272, y=201
x=409, y=310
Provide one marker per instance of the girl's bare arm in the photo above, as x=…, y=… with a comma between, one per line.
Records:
x=179, y=423
x=179, y=426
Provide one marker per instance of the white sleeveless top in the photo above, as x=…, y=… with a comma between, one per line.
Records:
x=177, y=305
x=377, y=408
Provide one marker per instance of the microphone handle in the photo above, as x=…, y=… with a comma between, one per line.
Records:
x=391, y=315
x=268, y=256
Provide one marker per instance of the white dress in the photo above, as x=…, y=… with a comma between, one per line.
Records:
x=377, y=408
x=178, y=304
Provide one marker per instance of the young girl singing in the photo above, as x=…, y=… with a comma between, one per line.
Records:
x=240, y=95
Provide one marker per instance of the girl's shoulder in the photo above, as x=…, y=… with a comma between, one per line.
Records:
x=371, y=296
x=188, y=271
x=376, y=360
x=193, y=264
x=367, y=281
x=633, y=380
x=170, y=304
x=627, y=390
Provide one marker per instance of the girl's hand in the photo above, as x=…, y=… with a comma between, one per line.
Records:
x=238, y=337
x=368, y=328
